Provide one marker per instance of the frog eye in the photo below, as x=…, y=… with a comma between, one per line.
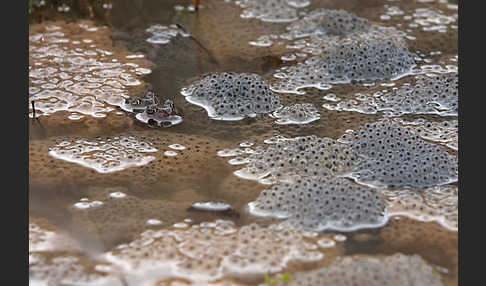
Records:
x=150, y=111
x=152, y=123
x=137, y=101
x=166, y=123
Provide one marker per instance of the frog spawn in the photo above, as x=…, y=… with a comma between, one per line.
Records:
x=375, y=55
x=44, y=236
x=230, y=96
x=322, y=203
x=445, y=132
x=432, y=204
x=105, y=155
x=112, y=216
x=69, y=70
x=296, y=114
x=431, y=94
x=272, y=10
x=393, y=270
x=408, y=235
x=324, y=22
x=393, y=157
x=207, y=251
x=190, y=164
x=68, y=269
x=54, y=258
x=288, y=158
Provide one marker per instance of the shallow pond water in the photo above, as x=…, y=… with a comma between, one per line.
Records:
x=112, y=200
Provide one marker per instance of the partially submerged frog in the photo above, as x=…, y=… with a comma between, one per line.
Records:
x=160, y=115
x=150, y=111
x=139, y=103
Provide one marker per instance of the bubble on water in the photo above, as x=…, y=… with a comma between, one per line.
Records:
x=246, y=144
x=331, y=97
x=170, y=153
x=177, y=146
x=163, y=34
x=340, y=237
x=230, y=152
x=326, y=243
x=154, y=222
x=88, y=204
x=135, y=56
x=211, y=206
x=118, y=195
x=433, y=20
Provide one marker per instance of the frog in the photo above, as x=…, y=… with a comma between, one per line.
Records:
x=157, y=115
x=138, y=104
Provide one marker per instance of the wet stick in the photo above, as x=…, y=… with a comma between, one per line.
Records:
x=210, y=54
x=33, y=109
x=196, y=5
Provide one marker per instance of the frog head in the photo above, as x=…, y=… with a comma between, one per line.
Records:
x=139, y=103
x=157, y=115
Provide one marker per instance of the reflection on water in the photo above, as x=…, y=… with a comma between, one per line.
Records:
x=103, y=210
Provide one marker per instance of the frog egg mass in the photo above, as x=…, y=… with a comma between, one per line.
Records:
x=243, y=143
x=272, y=10
x=84, y=78
x=297, y=114
x=322, y=22
x=105, y=156
x=210, y=250
x=322, y=203
x=430, y=94
x=393, y=157
x=374, y=55
x=396, y=270
x=230, y=96
x=286, y=158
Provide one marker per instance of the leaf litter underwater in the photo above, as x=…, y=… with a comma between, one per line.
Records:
x=285, y=143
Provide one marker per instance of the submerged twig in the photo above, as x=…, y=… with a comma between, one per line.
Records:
x=33, y=109
x=210, y=54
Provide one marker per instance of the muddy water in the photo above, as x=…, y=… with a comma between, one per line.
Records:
x=165, y=189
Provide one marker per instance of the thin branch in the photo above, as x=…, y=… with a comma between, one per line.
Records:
x=33, y=109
